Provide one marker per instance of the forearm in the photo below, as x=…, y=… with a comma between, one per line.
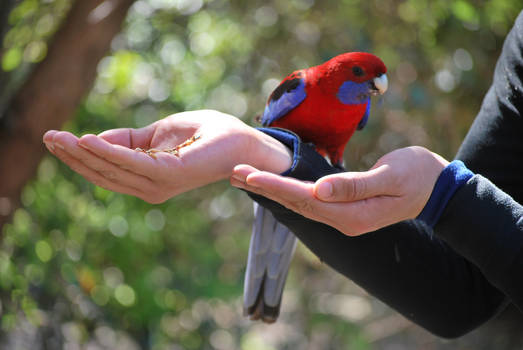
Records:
x=405, y=267
x=485, y=225
x=483, y=222
x=393, y=263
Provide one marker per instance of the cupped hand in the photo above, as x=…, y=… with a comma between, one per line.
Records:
x=110, y=160
x=396, y=188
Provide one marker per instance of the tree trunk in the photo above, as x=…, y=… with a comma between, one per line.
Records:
x=53, y=91
x=5, y=9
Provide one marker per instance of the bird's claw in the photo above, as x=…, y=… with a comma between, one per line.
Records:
x=174, y=151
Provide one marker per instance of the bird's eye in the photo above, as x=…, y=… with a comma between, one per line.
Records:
x=358, y=71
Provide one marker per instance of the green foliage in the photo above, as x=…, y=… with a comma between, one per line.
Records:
x=33, y=23
x=111, y=269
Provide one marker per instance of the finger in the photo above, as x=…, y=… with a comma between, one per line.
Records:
x=94, y=177
x=305, y=205
x=126, y=158
x=240, y=172
x=353, y=186
x=280, y=185
x=328, y=213
x=107, y=169
x=56, y=139
x=351, y=218
x=47, y=138
x=289, y=203
x=291, y=193
x=130, y=138
x=271, y=183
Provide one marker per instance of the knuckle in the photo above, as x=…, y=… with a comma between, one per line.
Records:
x=399, y=178
x=108, y=174
x=353, y=189
x=81, y=158
x=359, y=187
x=420, y=150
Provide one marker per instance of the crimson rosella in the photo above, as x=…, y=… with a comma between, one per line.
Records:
x=324, y=105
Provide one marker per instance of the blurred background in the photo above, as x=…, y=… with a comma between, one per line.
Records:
x=85, y=268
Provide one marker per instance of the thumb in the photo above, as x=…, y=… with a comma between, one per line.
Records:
x=354, y=186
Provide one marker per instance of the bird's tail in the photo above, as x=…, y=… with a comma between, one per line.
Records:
x=271, y=249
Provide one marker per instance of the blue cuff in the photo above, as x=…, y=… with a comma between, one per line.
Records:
x=449, y=181
x=289, y=139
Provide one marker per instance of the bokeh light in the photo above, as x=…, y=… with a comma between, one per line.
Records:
x=86, y=268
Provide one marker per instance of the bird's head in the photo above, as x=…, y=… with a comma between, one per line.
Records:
x=360, y=68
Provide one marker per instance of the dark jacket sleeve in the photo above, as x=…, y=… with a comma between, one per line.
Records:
x=454, y=277
x=403, y=265
x=485, y=225
x=484, y=220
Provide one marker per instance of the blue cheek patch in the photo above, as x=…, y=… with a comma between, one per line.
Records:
x=365, y=118
x=351, y=93
x=284, y=104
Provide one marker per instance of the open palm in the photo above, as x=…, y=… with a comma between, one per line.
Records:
x=110, y=160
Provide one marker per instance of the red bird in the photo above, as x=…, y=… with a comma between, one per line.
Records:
x=325, y=104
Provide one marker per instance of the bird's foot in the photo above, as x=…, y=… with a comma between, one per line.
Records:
x=339, y=166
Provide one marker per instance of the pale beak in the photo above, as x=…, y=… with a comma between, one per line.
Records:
x=381, y=84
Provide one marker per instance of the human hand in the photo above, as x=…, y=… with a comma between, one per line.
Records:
x=396, y=188
x=110, y=161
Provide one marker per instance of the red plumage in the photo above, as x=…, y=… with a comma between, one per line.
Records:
x=323, y=117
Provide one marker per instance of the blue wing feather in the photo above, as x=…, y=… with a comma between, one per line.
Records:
x=365, y=118
x=287, y=96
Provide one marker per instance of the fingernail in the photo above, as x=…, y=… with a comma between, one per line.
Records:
x=59, y=145
x=324, y=190
x=238, y=178
x=49, y=145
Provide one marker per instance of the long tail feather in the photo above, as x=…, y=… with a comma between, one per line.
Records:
x=270, y=253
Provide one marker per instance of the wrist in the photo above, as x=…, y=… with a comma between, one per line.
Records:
x=451, y=178
x=268, y=154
